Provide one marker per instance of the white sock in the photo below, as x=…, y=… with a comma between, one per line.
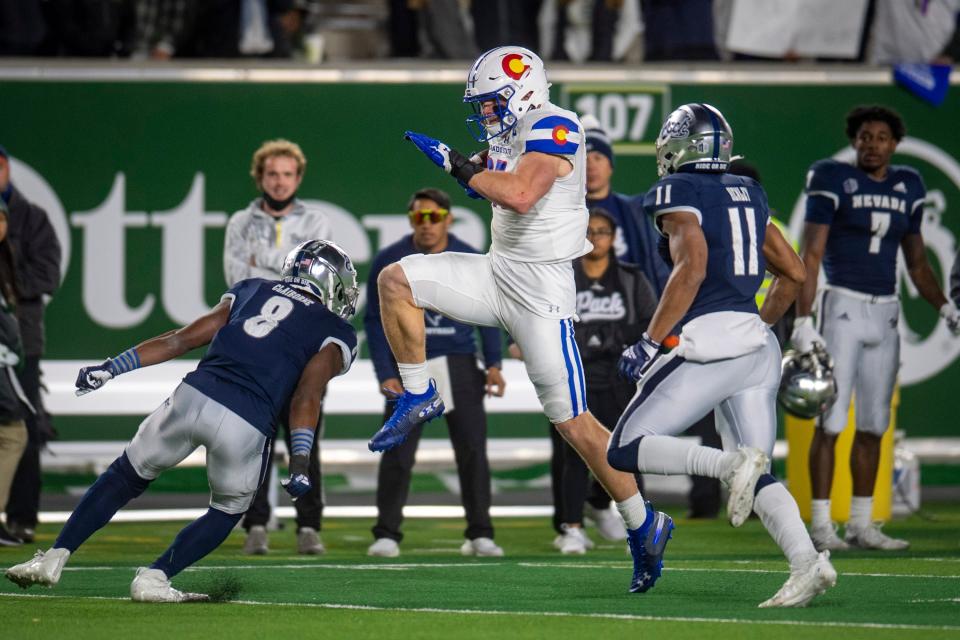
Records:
x=861, y=512
x=820, y=513
x=669, y=456
x=633, y=511
x=779, y=514
x=414, y=377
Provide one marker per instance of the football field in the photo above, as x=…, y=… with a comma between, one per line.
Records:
x=713, y=580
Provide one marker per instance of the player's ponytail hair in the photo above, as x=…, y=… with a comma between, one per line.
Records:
x=272, y=148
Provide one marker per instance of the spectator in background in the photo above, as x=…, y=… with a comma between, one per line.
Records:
x=678, y=30
x=13, y=431
x=920, y=31
x=430, y=29
x=89, y=28
x=162, y=28
x=243, y=28
x=594, y=30
x=22, y=28
x=452, y=362
x=37, y=253
x=506, y=22
x=615, y=303
x=258, y=240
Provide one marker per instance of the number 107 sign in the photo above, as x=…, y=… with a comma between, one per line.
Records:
x=631, y=116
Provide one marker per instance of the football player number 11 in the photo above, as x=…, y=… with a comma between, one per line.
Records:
x=271, y=313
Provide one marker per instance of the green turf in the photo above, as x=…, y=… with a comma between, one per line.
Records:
x=714, y=578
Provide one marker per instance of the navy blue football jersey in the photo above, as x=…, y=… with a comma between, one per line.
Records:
x=255, y=360
x=868, y=219
x=733, y=214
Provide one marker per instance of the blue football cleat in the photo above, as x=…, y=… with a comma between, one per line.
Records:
x=410, y=411
x=646, y=546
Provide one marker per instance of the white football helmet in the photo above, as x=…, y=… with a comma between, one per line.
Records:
x=514, y=79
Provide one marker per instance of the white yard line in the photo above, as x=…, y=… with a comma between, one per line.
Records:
x=483, y=563
x=548, y=614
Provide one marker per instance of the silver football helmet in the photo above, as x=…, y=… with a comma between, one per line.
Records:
x=323, y=269
x=694, y=133
x=514, y=79
x=807, y=385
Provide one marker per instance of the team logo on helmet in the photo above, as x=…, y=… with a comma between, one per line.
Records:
x=514, y=66
x=677, y=128
x=559, y=134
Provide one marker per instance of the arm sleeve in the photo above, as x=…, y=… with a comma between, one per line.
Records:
x=236, y=251
x=490, y=339
x=823, y=194
x=39, y=272
x=383, y=363
x=554, y=134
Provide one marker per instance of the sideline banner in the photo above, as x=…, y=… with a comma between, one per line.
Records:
x=139, y=178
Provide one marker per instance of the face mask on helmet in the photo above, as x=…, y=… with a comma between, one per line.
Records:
x=324, y=270
x=695, y=134
x=503, y=85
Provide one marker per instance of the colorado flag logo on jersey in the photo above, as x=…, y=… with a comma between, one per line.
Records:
x=554, y=134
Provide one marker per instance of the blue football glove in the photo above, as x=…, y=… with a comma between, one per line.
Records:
x=298, y=484
x=638, y=358
x=450, y=160
x=92, y=378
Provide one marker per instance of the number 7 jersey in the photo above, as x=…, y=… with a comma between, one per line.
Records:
x=733, y=215
x=255, y=360
x=868, y=218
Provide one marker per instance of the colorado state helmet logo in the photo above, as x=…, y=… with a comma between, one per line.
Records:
x=514, y=66
x=559, y=134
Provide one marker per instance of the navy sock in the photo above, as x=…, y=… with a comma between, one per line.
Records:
x=196, y=540
x=117, y=486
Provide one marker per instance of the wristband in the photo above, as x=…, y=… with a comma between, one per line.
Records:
x=301, y=441
x=125, y=362
x=461, y=168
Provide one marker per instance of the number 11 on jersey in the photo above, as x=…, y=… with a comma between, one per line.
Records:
x=744, y=262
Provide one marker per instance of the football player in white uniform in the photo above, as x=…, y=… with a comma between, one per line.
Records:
x=534, y=175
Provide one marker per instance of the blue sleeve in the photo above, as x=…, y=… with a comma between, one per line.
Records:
x=554, y=134
x=672, y=194
x=383, y=363
x=823, y=193
x=492, y=350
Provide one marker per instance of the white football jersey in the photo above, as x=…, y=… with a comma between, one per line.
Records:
x=555, y=229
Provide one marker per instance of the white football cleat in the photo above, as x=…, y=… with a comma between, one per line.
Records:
x=152, y=585
x=741, y=480
x=870, y=537
x=825, y=538
x=43, y=569
x=384, y=548
x=573, y=541
x=804, y=584
x=483, y=547
x=608, y=522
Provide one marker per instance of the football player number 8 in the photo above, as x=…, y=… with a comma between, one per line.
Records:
x=271, y=313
